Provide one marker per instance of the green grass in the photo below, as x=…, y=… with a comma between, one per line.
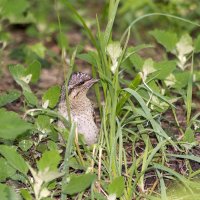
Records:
x=135, y=152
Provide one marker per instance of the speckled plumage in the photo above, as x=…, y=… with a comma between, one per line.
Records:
x=81, y=107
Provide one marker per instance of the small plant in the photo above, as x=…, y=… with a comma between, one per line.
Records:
x=141, y=138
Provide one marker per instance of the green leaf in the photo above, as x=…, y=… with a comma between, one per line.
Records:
x=9, y=97
x=73, y=163
x=30, y=97
x=50, y=159
x=14, y=158
x=197, y=44
x=78, y=183
x=181, y=79
x=137, y=61
x=11, y=125
x=5, y=170
x=165, y=38
x=89, y=57
x=19, y=74
x=25, y=194
x=189, y=136
x=165, y=68
x=25, y=145
x=117, y=186
x=7, y=193
x=39, y=49
x=52, y=95
x=34, y=69
x=52, y=145
x=9, y=8
x=43, y=123
x=99, y=196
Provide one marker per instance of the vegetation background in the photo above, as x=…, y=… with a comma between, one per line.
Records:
x=146, y=54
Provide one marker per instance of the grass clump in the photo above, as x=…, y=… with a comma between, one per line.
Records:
x=138, y=148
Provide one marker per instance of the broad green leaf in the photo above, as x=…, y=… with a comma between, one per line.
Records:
x=181, y=79
x=50, y=160
x=137, y=61
x=52, y=95
x=25, y=194
x=20, y=75
x=39, y=49
x=89, y=57
x=5, y=170
x=34, y=69
x=30, y=97
x=164, y=68
x=189, y=136
x=43, y=123
x=78, y=183
x=25, y=145
x=14, y=158
x=99, y=196
x=9, y=97
x=117, y=186
x=52, y=145
x=165, y=38
x=7, y=193
x=197, y=44
x=9, y=8
x=11, y=125
x=73, y=163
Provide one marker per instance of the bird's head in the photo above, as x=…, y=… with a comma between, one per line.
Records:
x=80, y=83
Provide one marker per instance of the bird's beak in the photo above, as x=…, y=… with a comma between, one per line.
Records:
x=91, y=82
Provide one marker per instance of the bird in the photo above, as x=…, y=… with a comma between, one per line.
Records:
x=81, y=107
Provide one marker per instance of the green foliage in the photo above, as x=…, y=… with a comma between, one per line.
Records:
x=189, y=136
x=23, y=76
x=12, y=126
x=6, y=171
x=14, y=158
x=25, y=145
x=138, y=84
x=49, y=160
x=78, y=183
x=117, y=186
x=38, y=49
x=34, y=69
x=9, y=97
x=167, y=39
x=8, y=193
x=13, y=13
x=51, y=96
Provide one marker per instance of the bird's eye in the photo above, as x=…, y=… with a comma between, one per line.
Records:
x=81, y=83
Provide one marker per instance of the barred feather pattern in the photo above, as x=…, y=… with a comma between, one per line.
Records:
x=81, y=108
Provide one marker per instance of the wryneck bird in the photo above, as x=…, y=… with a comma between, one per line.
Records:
x=81, y=108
